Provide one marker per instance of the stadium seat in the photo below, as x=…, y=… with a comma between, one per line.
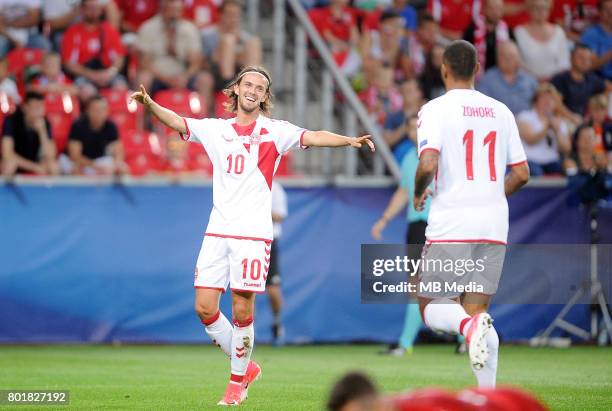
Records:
x=62, y=109
x=197, y=159
x=125, y=114
x=23, y=63
x=143, y=151
x=220, y=100
x=183, y=102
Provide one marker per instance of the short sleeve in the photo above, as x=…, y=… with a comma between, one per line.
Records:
x=113, y=132
x=515, y=152
x=75, y=134
x=203, y=130
x=590, y=38
x=287, y=136
x=428, y=130
x=7, y=127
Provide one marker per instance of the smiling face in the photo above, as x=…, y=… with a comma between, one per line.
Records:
x=252, y=90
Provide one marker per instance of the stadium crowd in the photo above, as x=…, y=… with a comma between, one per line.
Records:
x=66, y=69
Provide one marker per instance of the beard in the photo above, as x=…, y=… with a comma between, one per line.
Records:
x=246, y=109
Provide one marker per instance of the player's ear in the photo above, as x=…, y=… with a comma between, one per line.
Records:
x=235, y=89
x=444, y=71
x=477, y=69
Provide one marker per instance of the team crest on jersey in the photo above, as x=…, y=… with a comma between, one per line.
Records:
x=254, y=139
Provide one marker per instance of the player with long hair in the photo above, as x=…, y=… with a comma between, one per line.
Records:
x=245, y=152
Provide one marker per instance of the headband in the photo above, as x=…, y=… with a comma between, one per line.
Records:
x=254, y=72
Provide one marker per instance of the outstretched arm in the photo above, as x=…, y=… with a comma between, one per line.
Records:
x=324, y=138
x=428, y=163
x=168, y=117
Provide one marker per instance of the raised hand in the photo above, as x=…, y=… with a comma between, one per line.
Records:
x=141, y=96
x=357, y=142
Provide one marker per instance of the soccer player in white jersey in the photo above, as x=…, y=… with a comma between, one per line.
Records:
x=466, y=143
x=245, y=152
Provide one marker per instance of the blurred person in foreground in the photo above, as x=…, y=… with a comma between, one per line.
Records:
x=244, y=151
x=27, y=146
x=355, y=391
x=93, y=143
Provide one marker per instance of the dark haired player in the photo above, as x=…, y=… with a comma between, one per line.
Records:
x=466, y=141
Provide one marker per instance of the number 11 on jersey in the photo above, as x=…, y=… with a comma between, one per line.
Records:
x=468, y=141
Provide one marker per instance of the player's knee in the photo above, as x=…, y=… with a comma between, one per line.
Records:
x=205, y=309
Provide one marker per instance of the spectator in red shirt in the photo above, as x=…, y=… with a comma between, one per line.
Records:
x=135, y=12
x=338, y=26
x=92, y=51
x=60, y=14
x=51, y=78
x=515, y=13
x=454, y=16
x=382, y=97
x=202, y=13
x=486, y=32
x=574, y=16
x=422, y=41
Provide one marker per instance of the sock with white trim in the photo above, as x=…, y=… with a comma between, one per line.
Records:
x=219, y=330
x=487, y=375
x=243, y=341
x=446, y=315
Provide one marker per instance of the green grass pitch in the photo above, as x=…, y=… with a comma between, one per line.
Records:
x=294, y=378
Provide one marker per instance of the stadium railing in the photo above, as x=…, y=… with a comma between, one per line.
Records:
x=354, y=118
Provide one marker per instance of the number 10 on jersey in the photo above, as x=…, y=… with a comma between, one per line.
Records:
x=468, y=141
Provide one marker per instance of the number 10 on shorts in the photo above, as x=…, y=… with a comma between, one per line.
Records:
x=255, y=268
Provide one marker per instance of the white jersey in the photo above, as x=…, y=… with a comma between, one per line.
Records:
x=244, y=160
x=477, y=138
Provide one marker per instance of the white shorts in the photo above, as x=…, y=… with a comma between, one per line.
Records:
x=243, y=264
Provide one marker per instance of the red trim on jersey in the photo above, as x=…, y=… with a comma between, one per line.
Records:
x=244, y=130
x=187, y=134
x=477, y=240
x=212, y=319
x=302, y=146
x=244, y=323
x=517, y=164
x=247, y=291
x=429, y=148
x=210, y=288
x=268, y=154
x=238, y=237
x=463, y=323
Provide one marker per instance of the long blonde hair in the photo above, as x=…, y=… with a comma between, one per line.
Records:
x=232, y=105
